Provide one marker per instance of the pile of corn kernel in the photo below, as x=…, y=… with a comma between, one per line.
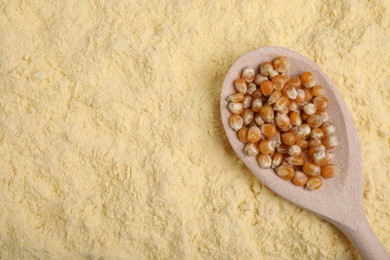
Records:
x=283, y=121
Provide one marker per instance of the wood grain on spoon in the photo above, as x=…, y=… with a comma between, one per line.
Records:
x=340, y=200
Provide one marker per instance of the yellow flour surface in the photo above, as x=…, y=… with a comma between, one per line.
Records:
x=111, y=143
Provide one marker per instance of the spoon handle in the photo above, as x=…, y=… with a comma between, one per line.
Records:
x=365, y=240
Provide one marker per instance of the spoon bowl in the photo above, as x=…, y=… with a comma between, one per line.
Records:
x=340, y=199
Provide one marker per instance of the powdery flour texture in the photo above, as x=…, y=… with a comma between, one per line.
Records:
x=111, y=144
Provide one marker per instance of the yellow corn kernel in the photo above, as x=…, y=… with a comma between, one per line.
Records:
x=281, y=104
x=295, y=82
x=314, y=142
x=316, y=133
x=306, y=130
x=268, y=130
x=314, y=149
x=264, y=161
x=274, y=97
x=310, y=169
x=299, y=179
x=324, y=115
x=304, y=116
x=236, y=122
x=257, y=94
x=305, y=155
x=254, y=134
x=329, y=156
x=330, y=141
x=321, y=103
x=267, y=113
x=257, y=103
x=280, y=64
x=329, y=171
x=308, y=94
x=285, y=172
x=237, y=97
x=319, y=158
x=295, y=119
x=313, y=183
x=314, y=121
x=273, y=73
x=283, y=149
x=293, y=106
x=282, y=121
x=240, y=85
x=310, y=109
x=248, y=115
x=259, y=120
x=236, y=108
x=300, y=96
x=267, y=147
x=247, y=103
x=307, y=79
x=302, y=143
x=276, y=139
x=294, y=150
x=318, y=91
x=289, y=91
x=248, y=74
x=265, y=68
x=242, y=134
x=288, y=138
x=251, y=149
x=259, y=78
x=284, y=111
x=297, y=131
x=277, y=159
x=279, y=81
x=295, y=160
x=328, y=128
x=267, y=88
x=251, y=88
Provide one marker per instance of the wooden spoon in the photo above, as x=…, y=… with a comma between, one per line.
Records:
x=340, y=199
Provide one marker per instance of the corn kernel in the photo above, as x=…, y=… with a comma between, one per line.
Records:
x=273, y=73
x=259, y=120
x=280, y=64
x=314, y=142
x=314, y=149
x=267, y=147
x=259, y=78
x=299, y=179
x=236, y=122
x=257, y=103
x=237, y=97
x=257, y=94
x=295, y=119
x=313, y=183
x=276, y=139
x=274, y=97
x=302, y=143
x=289, y=91
x=318, y=91
x=265, y=68
x=308, y=94
x=288, y=138
x=285, y=172
x=247, y=101
x=267, y=88
x=243, y=134
x=300, y=96
x=284, y=111
x=324, y=115
x=279, y=81
x=295, y=82
x=264, y=161
x=282, y=121
x=268, y=130
x=283, y=149
x=251, y=88
x=329, y=156
x=310, y=169
x=329, y=171
x=254, y=134
x=281, y=104
x=328, y=128
x=321, y=103
x=297, y=131
x=293, y=106
x=248, y=74
x=295, y=160
x=236, y=108
x=304, y=116
x=310, y=109
x=305, y=155
x=277, y=159
x=251, y=149
x=316, y=133
x=267, y=113
x=319, y=158
x=307, y=79
x=330, y=141
x=240, y=85
x=306, y=130
x=248, y=115
x=314, y=121
x=294, y=150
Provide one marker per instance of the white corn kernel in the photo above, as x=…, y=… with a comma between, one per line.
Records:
x=272, y=74
x=259, y=78
x=264, y=161
x=251, y=88
x=248, y=74
x=265, y=68
x=247, y=101
x=236, y=108
x=309, y=109
x=251, y=149
x=248, y=116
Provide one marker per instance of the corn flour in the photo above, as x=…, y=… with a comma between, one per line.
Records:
x=111, y=144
